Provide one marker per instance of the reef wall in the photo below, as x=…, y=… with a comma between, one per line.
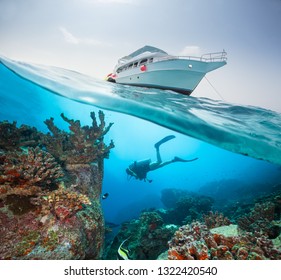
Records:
x=50, y=186
x=165, y=234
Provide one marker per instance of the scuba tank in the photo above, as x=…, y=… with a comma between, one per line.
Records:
x=140, y=168
x=140, y=164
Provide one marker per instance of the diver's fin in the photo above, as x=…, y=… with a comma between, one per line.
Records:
x=164, y=140
x=183, y=160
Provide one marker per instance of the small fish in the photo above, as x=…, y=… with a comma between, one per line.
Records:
x=122, y=253
x=105, y=196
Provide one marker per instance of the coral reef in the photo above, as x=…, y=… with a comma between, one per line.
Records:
x=64, y=203
x=82, y=145
x=186, y=206
x=260, y=219
x=28, y=171
x=81, y=152
x=215, y=219
x=13, y=137
x=207, y=235
x=148, y=237
x=50, y=188
x=196, y=242
x=229, y=191
x=170, y=196
x=190, y=242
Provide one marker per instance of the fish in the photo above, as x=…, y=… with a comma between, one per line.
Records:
x=105, y=196
x=122, y=253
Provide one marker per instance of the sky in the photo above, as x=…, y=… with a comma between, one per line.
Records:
x=89, y=36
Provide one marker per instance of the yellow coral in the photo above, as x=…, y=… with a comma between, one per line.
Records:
x=64, y=203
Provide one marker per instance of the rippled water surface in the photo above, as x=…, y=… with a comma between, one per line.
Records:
x=246, y=130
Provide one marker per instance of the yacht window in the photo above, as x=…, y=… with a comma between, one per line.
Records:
x=119, y=70
x=130, y=66
x=150, y=60
x=135, y=64
x=144, y=61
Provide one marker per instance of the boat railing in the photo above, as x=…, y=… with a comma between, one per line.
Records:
x=212, y=57
x=208, y=57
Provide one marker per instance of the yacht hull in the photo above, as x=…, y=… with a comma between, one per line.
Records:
x=180, y=75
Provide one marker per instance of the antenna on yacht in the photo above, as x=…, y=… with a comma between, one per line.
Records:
x=215, y=89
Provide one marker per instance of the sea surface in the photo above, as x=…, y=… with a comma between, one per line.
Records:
x=238, y=147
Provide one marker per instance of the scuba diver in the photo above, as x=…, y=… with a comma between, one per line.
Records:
x=139, y=169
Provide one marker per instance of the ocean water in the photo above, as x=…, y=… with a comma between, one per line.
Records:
x=238, y=147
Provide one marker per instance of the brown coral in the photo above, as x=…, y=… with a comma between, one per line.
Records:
x=196, y=242
x=13, y=137
x=259, y=219
x=28, y=171
x=64, y=203
x=189, y=243
x=215, y=219
x=33, y=200
x=82, y=145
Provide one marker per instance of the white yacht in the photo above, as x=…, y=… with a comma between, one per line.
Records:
x=154, y=68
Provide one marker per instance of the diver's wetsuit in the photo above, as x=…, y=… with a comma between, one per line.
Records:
x=139, y=169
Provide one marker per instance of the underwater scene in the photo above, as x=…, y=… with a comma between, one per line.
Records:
x=95, y=170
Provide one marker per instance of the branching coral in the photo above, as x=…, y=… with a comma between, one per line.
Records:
x=27, y=171
x=83, y=145
x=33, y=200
x=13, y=137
